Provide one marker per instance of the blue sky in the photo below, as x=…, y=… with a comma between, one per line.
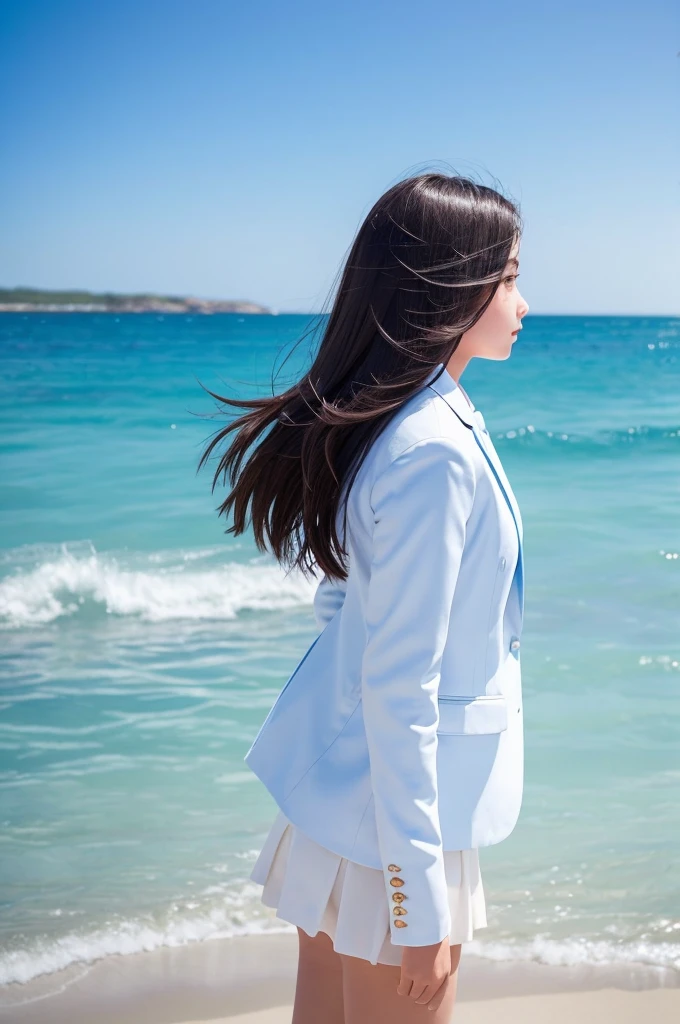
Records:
x=232, y=150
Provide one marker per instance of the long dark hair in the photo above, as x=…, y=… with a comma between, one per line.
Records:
x=423, y=267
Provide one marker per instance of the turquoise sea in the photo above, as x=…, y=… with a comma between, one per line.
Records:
x=141, y=647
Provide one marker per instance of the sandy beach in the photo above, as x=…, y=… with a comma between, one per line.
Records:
x=587, y=1007
x=251, y=980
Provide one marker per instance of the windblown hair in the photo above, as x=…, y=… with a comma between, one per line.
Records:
x=424, y=266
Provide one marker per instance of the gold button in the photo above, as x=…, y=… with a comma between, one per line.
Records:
x=396, y=881
x=398, y=897
x=393, y=867
x=400, y=924
x=400, y=911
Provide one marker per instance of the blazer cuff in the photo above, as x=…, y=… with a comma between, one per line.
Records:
x=414, y=884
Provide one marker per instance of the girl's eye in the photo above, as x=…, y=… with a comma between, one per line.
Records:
x=512, y=277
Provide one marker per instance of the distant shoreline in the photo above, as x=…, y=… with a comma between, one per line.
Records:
x=40, y=300
x=34, y=300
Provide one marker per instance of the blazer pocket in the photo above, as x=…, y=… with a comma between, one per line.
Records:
x=472, y=716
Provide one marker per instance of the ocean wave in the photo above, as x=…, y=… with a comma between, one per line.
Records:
x=229, y=918
x=531, y=438
x=580, y=951
x=224, y=919
x=75, y=579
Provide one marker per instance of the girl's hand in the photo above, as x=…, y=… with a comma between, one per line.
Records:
x=424, y=972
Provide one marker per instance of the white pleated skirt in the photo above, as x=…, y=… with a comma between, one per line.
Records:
x=318, y=890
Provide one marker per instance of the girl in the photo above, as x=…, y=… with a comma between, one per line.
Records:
x=395, y=749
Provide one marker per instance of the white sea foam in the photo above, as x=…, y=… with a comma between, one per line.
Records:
x=230, y=918
x=580, y=951
x=156, y=587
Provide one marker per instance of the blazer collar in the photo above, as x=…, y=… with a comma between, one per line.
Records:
x=452, y=392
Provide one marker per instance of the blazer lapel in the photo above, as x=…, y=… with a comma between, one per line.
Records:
x=483, y=437
x=449, y=390
x=497, y=469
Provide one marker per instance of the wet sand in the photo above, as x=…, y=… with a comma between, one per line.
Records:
x=251, y=980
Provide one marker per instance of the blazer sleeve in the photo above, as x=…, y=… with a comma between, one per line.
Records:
x=328, y=598
x=421, y=505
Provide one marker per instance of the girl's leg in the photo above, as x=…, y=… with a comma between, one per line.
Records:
x=318, y=991
x=370, y=994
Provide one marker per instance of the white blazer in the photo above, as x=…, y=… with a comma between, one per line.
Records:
x=399, y=735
